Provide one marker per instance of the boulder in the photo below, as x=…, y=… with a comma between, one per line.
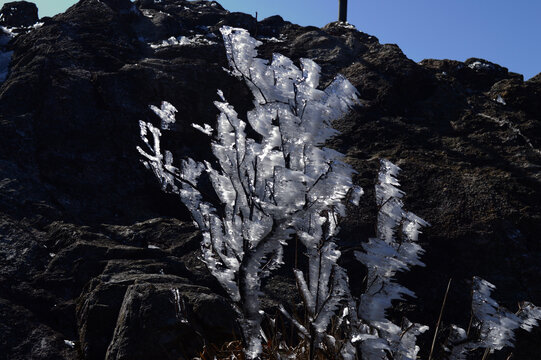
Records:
x=155, y=321
x=18, y=14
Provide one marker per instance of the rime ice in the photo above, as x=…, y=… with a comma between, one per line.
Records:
x=283, y=183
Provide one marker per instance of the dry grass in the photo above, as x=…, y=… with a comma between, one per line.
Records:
x=271, y=351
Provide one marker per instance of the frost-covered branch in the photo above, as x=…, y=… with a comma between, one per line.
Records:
x=493, y=326
x=281, y=183
x=394, y=249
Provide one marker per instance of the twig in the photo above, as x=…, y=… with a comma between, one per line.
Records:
x=439, y=319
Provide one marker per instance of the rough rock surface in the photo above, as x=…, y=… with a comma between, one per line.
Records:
x=18, y=14
x=92, y=252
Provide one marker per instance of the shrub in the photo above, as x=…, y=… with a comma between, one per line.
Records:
x=274, y=178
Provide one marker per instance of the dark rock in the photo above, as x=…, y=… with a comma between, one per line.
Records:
x=518, y=94
x=237, y=19
x=25, y=337
x=136, y=315
x=92, y=248
x=121, y=6
x=156, y=319
x=18, y=14
x=474, y=74
x=156, y=26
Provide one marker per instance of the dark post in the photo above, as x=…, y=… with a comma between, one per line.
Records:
x=343, y=12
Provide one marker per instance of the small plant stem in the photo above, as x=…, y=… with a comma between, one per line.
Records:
x=296, y=251
x=439, y=319
x=471, y=315
x=485, y=355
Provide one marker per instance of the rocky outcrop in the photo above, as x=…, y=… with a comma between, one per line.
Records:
x=18, y=14
x=97, y=262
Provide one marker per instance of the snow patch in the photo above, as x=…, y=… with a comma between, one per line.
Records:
x=271, y=39
x=183, y=41
x=6, y=33
x=147, y=13
x=479, y=65
x=346, y=25
x=500, y=100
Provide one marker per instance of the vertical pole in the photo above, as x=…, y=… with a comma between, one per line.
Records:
x=343, y=10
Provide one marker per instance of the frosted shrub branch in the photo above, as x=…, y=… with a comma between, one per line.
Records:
x=493, y=327
x=269, y=188
x=285, y=182
x=394, y=249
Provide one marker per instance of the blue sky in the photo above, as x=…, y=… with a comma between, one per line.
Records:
x=502, y=31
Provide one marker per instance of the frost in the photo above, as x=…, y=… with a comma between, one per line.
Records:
x=268, y=187
x=272, y=178
x=394, y=249
x=356, y=193
x=480, y=65
x=500, y=100
x=69, y=343
x=347, y=25
x=147, y=13
x=196, y=40
x=180, y=306
x=205, y=129
x=153, y=247
x=181, y=40
x=494, y=325
x=6, y=34
x=166, y=113
x=271, y=39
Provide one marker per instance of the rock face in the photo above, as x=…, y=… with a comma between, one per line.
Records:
x=18, y=14
x=97, y=263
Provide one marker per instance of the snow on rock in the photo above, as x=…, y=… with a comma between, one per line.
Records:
x=480, y=65
x=183, y=41
x=271, y=39
x=8, y=33
x=500, y=100
x=347, y=25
